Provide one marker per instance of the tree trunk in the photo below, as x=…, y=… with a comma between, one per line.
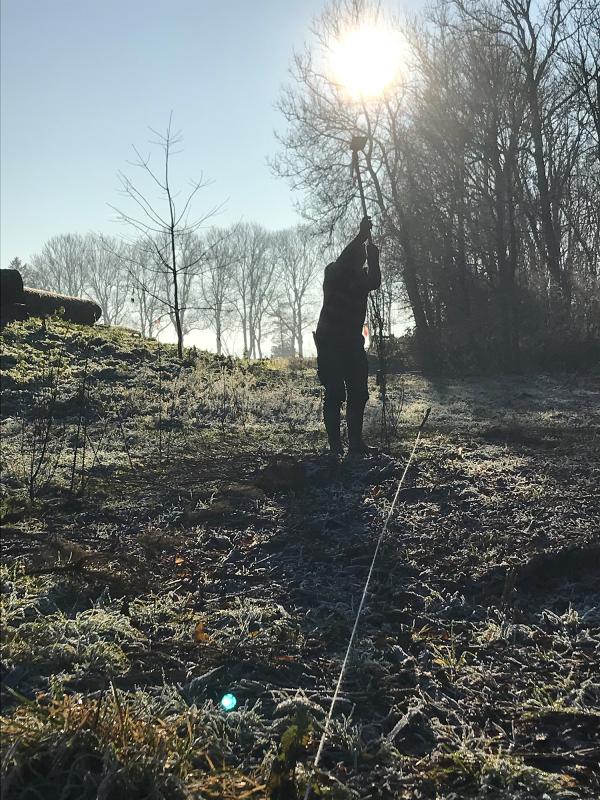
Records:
x=504, y=273
x=552, y=251
x=257, y=341
x=176, y=312
x=457, y=242
x=299, y=331
x=218, y=331
x=425, y=347
x=245, y=330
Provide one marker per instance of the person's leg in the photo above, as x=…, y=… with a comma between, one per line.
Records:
x=332, y=408
x=332, y=378
x=356, y=377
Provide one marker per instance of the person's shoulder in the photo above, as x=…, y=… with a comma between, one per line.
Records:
x=330, y=270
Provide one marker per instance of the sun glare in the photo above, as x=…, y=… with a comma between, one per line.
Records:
x=367, y=59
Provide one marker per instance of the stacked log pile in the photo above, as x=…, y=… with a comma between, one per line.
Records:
x=21, y=302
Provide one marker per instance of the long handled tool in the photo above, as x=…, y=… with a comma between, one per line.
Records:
x=356, y=145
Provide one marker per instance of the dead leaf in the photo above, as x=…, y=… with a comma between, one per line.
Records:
x=568, y=781
x=200, y=635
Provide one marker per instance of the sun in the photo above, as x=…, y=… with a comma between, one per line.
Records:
x=367, y=59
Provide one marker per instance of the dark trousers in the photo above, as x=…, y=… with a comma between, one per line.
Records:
x=342, y=369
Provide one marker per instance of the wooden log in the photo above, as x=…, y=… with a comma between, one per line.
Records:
x=12, y=313
x=44, y=304
x=11, y=287
x=19, y=302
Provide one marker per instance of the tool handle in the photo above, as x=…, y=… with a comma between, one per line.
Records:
x=361, y=189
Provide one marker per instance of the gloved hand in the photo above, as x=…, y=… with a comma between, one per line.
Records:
x=365, y=228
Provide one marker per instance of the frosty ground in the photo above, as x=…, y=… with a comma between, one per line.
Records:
x=172, y=532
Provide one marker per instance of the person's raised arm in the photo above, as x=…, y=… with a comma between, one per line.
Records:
x=348, y=254
x=352, y=252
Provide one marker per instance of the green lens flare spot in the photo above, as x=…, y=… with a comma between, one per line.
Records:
x=228, y=702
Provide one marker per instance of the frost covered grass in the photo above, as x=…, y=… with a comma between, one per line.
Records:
x=131, y=745
x=203, y=547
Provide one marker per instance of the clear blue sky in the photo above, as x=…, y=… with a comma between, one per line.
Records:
x=83, y=79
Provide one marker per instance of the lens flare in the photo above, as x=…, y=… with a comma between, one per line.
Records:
x=228, y=702
x=367, y=59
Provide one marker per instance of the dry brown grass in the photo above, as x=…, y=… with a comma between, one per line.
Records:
x=73, y=746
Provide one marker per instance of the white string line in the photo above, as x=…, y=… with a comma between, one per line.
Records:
x=360, y=608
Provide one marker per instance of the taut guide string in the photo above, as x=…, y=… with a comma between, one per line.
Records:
x=360, y=607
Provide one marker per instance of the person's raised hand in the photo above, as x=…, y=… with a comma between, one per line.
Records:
x=365, y=227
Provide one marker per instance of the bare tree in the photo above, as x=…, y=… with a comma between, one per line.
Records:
x=216, y=283
x=581, y=54
x=192, y=259
x=536, y=32
x=107, y=278
x=478, y=166
x=299, y=265
x=167, y=229
x=281, y=332
x=263, y=290
x=62, y=265
x=253, y=283
x=147, y=302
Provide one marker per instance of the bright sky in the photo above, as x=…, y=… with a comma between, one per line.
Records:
x=82, y=81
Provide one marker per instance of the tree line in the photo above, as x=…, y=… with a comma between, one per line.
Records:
x=242, y=280
x=482, y=166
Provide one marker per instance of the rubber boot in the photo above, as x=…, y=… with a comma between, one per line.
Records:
x=354, y=421
x=332, y=418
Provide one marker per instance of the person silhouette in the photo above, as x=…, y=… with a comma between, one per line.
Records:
x=341, y=359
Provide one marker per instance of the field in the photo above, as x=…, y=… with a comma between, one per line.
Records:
x=173, y=533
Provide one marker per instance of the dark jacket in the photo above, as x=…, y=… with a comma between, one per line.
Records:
x=346, y=288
